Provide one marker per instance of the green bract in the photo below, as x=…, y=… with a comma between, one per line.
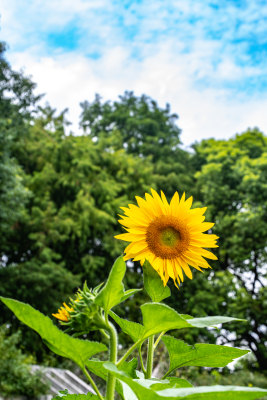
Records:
x=92, y=310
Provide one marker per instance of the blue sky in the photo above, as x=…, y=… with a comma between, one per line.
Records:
x=208, y=59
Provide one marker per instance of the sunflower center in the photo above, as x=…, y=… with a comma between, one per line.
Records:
x=169, y=237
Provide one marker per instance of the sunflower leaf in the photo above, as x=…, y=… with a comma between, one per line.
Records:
x=97, y=368
x=170, y=383
x=65, y=395
x=145, y=389
x=113, y=291
x=153, y=284
x=59, y=342
x=129, y=293
x=133, y=329
x=158, y=317
x=200, y=355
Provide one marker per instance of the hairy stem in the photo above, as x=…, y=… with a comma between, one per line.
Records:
x=90, y=379
x=141, y=360
x=150, y=354
x=165, y=376
x=158, y=339
x=128, y=352
x=112, y=358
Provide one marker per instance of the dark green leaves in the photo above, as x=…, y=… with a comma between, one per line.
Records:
x=153, y=284
x=60, y=343
x=199, y=355
x=113, y=292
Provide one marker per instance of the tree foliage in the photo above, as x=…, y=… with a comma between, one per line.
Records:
x=232, y=182
x=145, y=130
x=15, y=371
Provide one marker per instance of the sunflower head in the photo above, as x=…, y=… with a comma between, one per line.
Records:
x=168, y=235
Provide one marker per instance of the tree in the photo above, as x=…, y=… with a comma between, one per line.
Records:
x=232, y=182
x=145, y=130
x=16, y=100
x=66, y=235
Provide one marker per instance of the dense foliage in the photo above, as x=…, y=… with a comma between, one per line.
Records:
x=15, y=370
x=60, y=195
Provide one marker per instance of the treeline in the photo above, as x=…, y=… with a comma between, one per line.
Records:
x=60, y=195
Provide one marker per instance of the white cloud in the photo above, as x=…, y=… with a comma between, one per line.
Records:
x=72, y=78
x=164, y=56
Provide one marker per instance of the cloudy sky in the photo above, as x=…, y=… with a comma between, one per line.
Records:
x=206, y=58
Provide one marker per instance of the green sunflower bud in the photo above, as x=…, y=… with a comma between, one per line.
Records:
x=84, y=314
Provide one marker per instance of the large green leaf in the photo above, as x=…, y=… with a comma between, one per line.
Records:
x=97, y=368
x=129, y=293
x=159, y=317
x=127, y=392
x=113, y=292
x=153, y=284
x=133, y=329
x=154, y=384
x=65, y=395
x=144, y=390
x=200, y=355
x=171, y=382
x=212, y=321
x=59, y=342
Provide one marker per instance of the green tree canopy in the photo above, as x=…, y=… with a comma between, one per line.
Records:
x=145, y=130
x=232, y=182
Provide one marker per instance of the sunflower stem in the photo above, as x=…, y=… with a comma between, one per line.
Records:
x=113, y=348
x=141, y=359
x=150, y=355
x=90, y=379
x=158, y=339
x=128, y=352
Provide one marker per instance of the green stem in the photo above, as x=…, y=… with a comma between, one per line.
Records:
x=104, y=334
x=128, y=352
x=150, y=354
x=88, y=376
x=112, y=358
x=141, y=360
x=158, y=339
x=165, y=376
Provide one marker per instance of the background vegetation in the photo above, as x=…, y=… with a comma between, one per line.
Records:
x=60, y=195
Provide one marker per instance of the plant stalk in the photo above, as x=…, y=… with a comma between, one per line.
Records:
x=158, y=339
x=90, y=379
x=141, y=359
x=150, y=354
x=128, y=352
x=112, y=358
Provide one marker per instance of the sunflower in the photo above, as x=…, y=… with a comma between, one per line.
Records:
x=63, y=313
x=169, y=236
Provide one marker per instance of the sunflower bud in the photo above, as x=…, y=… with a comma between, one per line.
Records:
x=82, y=315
